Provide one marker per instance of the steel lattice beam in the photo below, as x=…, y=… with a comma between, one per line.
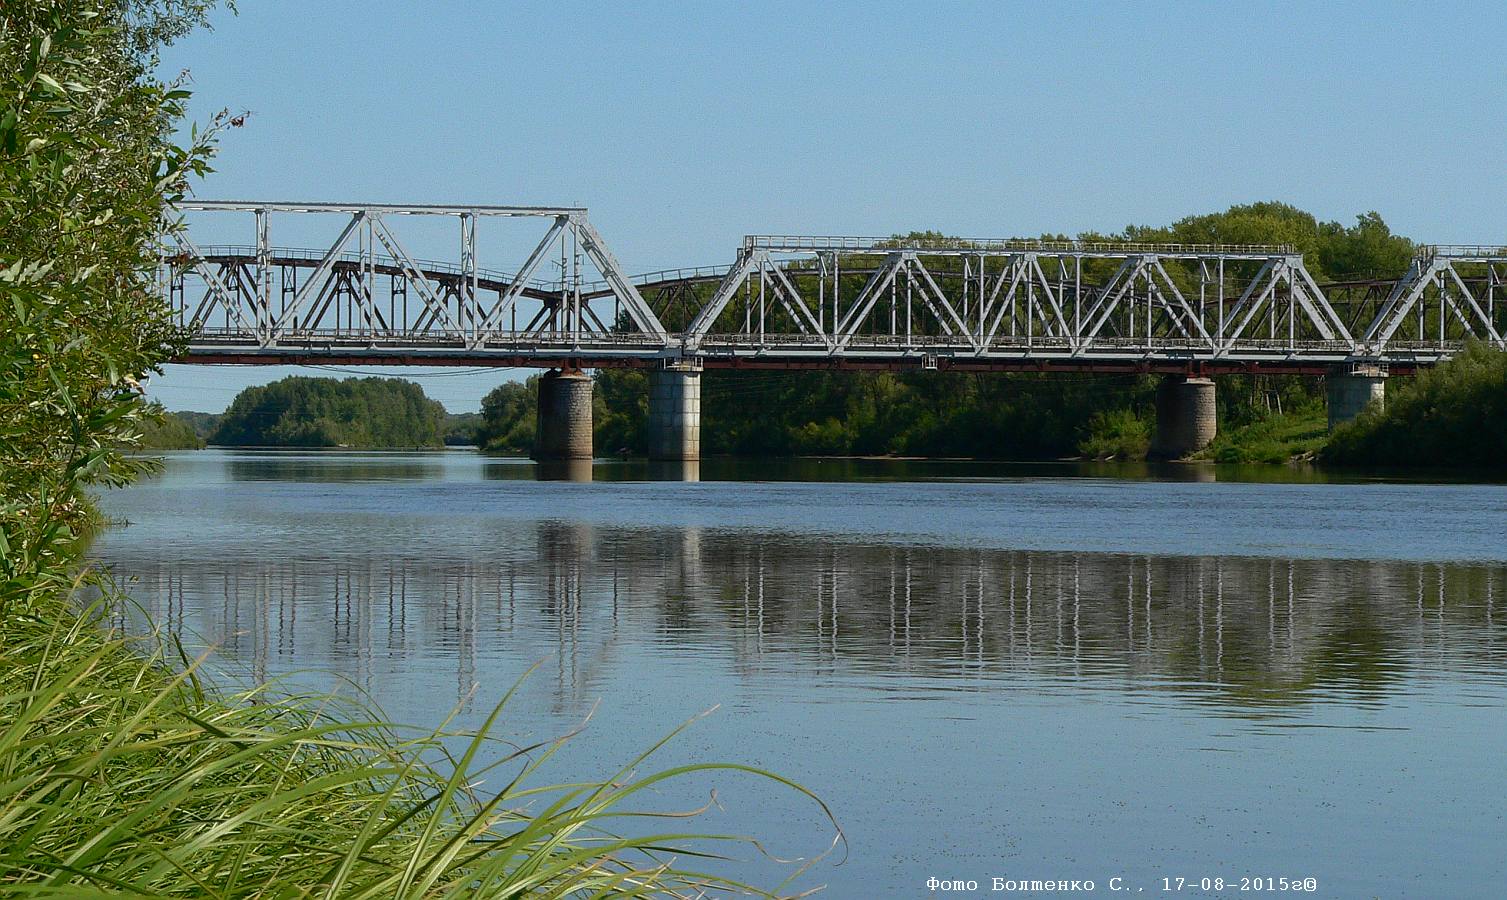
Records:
x=806, y=301
x=1448, y=294
x=337, y=295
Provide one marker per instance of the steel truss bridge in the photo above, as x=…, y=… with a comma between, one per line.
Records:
x=798, y=301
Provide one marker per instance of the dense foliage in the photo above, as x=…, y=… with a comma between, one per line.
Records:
x=202, y=423
x=910, y=414
x=995, y=416
x=1454, y=415
x=508, y=417
x=461, y=428
x=298, y=411
x=1331, y=250
x=85, y=171
x=169, y=431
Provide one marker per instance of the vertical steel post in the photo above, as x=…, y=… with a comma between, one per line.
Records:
x=836, y=284
x=821, y=295
x=1221, y=299
x=369, y=274
x=983, y=286
x=894, y=309
x=909, y=282
x=465, y=300
x=1078, y=300
x=1030, y=304
x=763, y=283
x=575, y=285
x=263, y=278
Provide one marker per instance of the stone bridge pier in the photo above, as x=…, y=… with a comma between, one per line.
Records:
x=675, y=413
x=1352, y=389
x=563, y=428
x=1186, y=418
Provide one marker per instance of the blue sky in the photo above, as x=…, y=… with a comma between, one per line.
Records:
x=684, y=126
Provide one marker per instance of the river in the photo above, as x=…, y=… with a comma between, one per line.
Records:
x=1024, y=672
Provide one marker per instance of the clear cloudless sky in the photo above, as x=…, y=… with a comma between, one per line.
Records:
x=683, y=126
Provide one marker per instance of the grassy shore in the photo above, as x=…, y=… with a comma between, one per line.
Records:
x=1282, y=438
x=124, y=773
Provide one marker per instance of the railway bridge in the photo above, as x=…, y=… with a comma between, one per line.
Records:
x=539, y=287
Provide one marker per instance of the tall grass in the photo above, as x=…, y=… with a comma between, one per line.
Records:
x=122, y=773
x=1277, y=438
x=1116, y=434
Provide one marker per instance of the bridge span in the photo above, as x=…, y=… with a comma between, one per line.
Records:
x=538, y=286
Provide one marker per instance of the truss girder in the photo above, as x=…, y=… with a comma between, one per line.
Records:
x=806, y=299
x=1434, y=295
x=335, y=292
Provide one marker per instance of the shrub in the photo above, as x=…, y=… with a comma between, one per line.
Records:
x=1454, y=415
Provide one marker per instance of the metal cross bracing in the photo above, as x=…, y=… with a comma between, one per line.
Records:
x=366, y=292
x=1448, y=293
x=1055, y=302
x=803, y=301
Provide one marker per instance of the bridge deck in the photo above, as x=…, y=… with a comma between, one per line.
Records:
x=811, y=302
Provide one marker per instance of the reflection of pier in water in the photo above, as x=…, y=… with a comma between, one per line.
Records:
x=1251, y=631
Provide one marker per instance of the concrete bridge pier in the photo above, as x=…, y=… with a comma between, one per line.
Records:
x=675, y=413
x=563, y=429
x=1186, y=418
x=1352, y=388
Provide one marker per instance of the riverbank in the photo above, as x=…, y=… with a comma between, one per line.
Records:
x=1284, y=438
x=128, y=770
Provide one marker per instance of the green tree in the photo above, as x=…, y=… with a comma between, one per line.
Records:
x=508, y=417
x=87, y=168
x=1452, y=416
x=325, y=412
x=620, y=411
x=1330, y=250
x=169, y=431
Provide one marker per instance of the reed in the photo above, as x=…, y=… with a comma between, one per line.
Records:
x=123, y=772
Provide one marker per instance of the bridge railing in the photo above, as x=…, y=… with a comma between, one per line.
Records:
x=682, y=273
x=1463, y=251
x=248, y=253
x=797, y=243
x=331, y=338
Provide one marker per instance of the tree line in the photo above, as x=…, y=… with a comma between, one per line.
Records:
x=299, y=411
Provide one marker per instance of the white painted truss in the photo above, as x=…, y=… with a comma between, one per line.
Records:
x=801, y=300
x=366, y=287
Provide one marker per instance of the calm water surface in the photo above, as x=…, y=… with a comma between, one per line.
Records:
x=1024, y=672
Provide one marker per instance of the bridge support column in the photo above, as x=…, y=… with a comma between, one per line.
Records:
x=675, y=414
x=563, y=429
x=1353, y=388
x=1186, y=419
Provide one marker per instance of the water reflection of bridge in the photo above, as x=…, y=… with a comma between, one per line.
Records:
x=1254, y=632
